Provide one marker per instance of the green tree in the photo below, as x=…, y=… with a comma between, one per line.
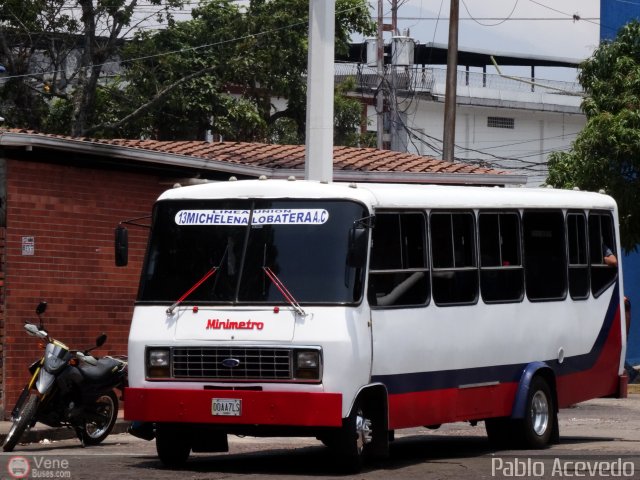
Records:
x=606, y=153
x=348, y=118
x=60, y=50
x=222, y=70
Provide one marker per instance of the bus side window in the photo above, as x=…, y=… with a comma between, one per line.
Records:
x=453, y=250
x=399, y=274
x=501, y=271
x=601, y=239
x=545, y=260
x=578, y=261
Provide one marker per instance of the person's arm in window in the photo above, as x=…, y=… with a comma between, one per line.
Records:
x=609, y=258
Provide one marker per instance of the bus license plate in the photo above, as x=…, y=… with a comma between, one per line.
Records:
x=230, y=407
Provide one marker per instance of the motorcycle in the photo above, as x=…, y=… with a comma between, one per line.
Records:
x=72, y=389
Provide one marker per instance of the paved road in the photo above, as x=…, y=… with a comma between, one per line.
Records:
x=598, y=438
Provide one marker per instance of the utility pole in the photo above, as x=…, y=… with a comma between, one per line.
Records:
x=320, y=81
x=380, y=74
x=394, y=17
x=394, y=119
x=449, y=135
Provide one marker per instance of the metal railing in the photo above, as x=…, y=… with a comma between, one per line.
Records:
x=423, y=79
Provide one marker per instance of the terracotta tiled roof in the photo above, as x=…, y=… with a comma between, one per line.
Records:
x=289, y=157
x=292, y=156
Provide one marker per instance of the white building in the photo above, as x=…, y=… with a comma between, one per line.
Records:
x=503, y=121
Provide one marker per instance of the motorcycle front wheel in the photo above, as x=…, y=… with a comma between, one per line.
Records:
x=106, y=408
x=23, y=419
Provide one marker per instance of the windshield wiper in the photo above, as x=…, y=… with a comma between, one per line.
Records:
x=284, y=291
x=191, y=290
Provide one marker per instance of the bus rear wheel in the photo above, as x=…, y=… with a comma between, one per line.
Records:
x=537, y=428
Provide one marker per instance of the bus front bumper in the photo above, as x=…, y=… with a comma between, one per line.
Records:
x=237, y=407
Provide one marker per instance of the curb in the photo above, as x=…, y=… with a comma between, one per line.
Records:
x=633, y=388
x=41, y=432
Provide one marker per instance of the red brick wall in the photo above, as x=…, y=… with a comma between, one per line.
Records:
x=71, y=212
x=2, y=267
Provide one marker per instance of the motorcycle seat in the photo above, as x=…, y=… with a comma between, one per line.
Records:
x=102, y=371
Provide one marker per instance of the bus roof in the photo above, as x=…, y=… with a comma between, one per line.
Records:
x=392, y=195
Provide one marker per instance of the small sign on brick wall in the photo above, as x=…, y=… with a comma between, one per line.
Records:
x=28, y=245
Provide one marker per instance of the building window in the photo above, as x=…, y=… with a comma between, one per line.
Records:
x=501, y=122
x=601, y=242
x=399, y=273
x=501, y=271
x=545, y=260
x=453, y=253
x=578, y=259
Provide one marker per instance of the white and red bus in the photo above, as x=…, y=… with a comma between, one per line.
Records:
x=347, y=311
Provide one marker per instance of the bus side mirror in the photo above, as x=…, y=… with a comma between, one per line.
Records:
x=122, y=246
x=357, y=252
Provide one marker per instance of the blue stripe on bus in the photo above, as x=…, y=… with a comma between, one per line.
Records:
x=443, y=379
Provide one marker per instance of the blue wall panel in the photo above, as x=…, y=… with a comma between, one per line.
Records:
x=631, y=273
x=614, y=14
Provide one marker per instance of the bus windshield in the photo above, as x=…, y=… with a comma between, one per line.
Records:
x=304, y=243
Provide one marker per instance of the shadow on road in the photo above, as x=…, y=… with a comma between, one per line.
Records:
x=318, y=460
x=569, y=440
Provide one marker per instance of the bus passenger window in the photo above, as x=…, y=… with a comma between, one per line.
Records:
x=578, y=262
x=601, y=243
x=545, y=260
x=399, y=274
x=453, y=250
x=501, y=272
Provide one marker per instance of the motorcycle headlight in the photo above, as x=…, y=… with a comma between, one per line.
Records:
x=158, y=363
x=55, y=357
x=307, y=365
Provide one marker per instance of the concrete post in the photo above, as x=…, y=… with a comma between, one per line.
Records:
x=320, y=79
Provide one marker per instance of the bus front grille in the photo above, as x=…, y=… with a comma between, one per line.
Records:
x=232, y=363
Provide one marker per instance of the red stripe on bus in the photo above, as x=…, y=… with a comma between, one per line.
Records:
x=601, y=379
x=434, y=407
x=257, y=408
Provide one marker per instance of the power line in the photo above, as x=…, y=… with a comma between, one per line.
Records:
x=182, y=50
x=500, y=22
x=502, y=19
x=573, y=16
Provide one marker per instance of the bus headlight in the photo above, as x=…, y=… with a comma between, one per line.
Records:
x=307, y=364
x=158, y=363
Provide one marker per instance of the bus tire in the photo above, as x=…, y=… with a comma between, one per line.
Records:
x=499, y=431
x=172, y=444
x=355, y=438
x=537, y=429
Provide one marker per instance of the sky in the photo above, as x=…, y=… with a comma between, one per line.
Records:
x=544, y=27
x=535, y=27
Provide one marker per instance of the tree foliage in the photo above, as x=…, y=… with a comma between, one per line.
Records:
x=223, y=71
x=60, y=50
x=606, y=153
x=76, y=68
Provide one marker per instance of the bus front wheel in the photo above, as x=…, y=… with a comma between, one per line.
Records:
x=355, y=438
x=172, y=444
x=499, y=431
